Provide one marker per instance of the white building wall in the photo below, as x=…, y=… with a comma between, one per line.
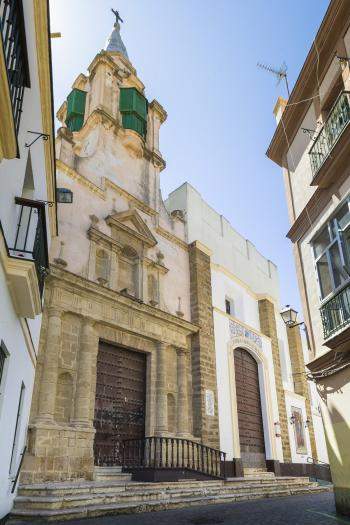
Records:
x=242, y=275
x=19, y=368
x=21, y=336
x=230, y=250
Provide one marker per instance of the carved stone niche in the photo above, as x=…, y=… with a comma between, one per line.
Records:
x=130, y=231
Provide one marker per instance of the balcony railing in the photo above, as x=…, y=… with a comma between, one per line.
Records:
x=335, y=313
x=15, y=53
x=31, y=236
x=338, y=119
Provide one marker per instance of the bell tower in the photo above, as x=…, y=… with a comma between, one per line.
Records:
x=107, y=115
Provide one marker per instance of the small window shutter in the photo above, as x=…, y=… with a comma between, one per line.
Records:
x=133, y=107
x=75, y=109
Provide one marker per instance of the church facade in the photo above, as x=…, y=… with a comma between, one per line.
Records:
x=129, y=341
x=267, y=410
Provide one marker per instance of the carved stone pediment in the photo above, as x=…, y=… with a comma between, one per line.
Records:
x=131, y=225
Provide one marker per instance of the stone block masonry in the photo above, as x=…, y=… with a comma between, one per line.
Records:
x=300, y=382
x=205, y=426
x=269, y=328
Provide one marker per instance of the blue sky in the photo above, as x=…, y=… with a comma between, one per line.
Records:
x=198, y=58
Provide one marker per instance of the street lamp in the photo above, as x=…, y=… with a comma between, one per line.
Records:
x=289, y=316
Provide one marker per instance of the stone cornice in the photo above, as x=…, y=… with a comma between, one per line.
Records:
x=80, y=179
x=80, y=82
x=335, y=21
x=106, y=58
x=107, y=183
x=144, y=234
x=156, y=158
x=78, y=295
x=101, y=191
x=160, y=267
x=103, y=239
x=172, y=238
x=158, y=108
x=98, y=116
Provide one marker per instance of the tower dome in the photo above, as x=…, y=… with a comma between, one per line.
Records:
x=114, y=41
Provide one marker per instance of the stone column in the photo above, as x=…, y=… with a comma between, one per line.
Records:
x=182, y=400
x=269, y=328
x=161, y=394
x=48, y=382
x=301, y=386
x=205, y=425
x=87, y=351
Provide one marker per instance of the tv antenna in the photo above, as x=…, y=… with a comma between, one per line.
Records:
x=280, y=74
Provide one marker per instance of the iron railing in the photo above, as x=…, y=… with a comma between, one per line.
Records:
x=335, y=313
x=31, y=236
x=12, y=32
x=173, y=453
x=337, y=121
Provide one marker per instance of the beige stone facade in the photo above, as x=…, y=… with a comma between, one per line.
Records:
x=78, y=314
x=123, y=274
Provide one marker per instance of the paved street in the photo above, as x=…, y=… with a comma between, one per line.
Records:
x=299, y=510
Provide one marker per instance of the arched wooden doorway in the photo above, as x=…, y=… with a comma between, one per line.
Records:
x=250, y=422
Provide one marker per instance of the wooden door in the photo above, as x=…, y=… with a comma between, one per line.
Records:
x=120, y=401
x=250, y=422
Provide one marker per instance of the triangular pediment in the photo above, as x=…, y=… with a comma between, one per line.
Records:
x=132, y=223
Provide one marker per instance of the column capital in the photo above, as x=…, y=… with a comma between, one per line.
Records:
x=88, y=322
x=180, y=350
x=55, y=311
x=162, y=346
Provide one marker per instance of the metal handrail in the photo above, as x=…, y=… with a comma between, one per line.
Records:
x=328, y=135
x=173, y=453
x=14, y=482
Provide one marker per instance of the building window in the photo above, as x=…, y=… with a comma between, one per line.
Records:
x=331, y=249
x=229, y=306
x=15, y=444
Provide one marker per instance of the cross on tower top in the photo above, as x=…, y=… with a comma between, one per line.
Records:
x=117, y=16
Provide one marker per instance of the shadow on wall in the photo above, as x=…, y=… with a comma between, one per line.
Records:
x=337, y=432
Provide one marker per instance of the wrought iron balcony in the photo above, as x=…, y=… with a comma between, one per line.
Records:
x=337, y=121
x=31, y=237
x=14, y=46
x=335, y=313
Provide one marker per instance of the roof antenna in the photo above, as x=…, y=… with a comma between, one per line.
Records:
x=280, y=73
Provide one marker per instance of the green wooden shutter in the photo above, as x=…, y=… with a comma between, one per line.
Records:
x=133, y=107
x=75, y=109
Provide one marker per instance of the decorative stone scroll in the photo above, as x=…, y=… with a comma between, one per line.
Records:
x=237, y=330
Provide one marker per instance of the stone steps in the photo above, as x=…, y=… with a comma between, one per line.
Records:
x=110, y=474
x=95, y=487
x=64, y=501
x=55, y=502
